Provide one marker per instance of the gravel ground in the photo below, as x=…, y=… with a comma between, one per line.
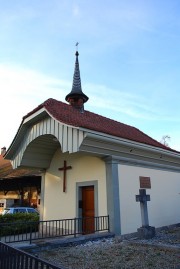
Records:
x=161, y=252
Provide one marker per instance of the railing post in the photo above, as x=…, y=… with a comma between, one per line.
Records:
x=75, y=227
x=30, y=240
x=108, y=224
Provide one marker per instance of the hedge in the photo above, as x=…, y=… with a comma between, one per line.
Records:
x=18, y=223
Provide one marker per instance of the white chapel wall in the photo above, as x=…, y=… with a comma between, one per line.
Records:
x=60, y=205
x=163, y=209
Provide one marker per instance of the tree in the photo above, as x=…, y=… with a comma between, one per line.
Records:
x=164, y=140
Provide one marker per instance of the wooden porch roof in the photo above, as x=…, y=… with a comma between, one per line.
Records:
x=17, y=179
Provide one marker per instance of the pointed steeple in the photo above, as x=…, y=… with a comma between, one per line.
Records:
x=76, y=97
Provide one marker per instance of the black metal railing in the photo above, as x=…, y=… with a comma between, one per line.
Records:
x=28, y=231
x=11, y=258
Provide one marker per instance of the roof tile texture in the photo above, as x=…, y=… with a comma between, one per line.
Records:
x=69, y=115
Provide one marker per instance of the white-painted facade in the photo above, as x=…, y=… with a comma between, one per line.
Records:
x=85, y=169
x=163, y=209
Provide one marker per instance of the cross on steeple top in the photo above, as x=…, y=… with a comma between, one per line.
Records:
x=77, y=45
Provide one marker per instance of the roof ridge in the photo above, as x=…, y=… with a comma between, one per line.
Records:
x=46, y=102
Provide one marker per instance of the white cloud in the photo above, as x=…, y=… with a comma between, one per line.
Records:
x=76, y=10
x=17, y=80
x=21, y=91
x=133, y=105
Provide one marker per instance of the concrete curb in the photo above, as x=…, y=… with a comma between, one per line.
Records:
x=46, y=244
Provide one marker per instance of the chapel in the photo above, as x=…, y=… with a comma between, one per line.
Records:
x=95, y=166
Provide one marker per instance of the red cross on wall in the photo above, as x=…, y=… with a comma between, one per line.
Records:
x=64, y=168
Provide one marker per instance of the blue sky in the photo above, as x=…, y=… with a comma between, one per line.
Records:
x=129, y=60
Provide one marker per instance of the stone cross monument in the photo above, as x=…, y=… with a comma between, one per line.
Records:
x=145, y=231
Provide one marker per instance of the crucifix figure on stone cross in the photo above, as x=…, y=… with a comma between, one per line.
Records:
x=64, y=168
x=145, y=231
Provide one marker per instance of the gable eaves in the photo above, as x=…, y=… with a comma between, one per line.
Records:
x=107, y=145
x=19, y=137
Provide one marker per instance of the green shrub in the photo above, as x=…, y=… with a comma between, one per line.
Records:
x=18, y=217
x=12, y=224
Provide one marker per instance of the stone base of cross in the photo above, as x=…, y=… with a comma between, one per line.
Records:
x=146, y=231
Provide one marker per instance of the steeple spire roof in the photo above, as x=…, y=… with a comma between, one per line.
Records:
x=76, y=97
x=76, y=87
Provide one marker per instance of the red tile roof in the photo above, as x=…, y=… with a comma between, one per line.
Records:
x=67, y=114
